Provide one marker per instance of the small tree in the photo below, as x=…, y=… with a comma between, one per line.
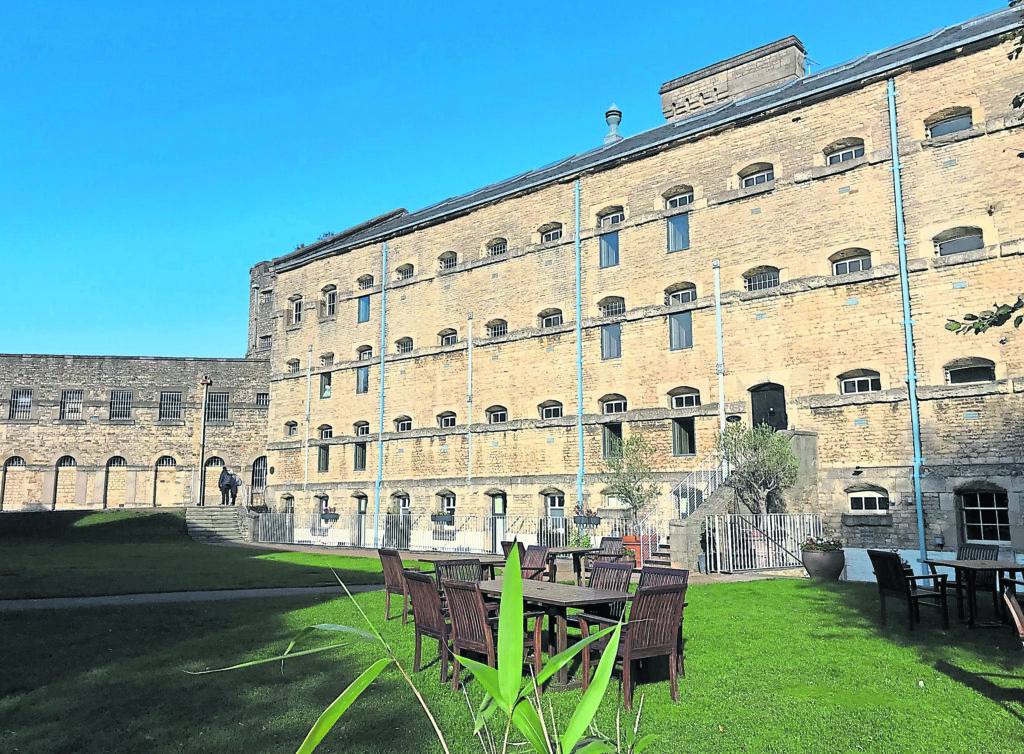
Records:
x=628, y=473
x=997, y=317
x=763, y=465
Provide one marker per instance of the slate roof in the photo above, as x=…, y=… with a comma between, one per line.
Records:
x=816, y=86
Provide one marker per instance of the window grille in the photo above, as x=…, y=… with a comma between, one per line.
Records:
x=15, y=462
x=609, y=249
x=679, y=200
x=404, y=345
x=684, y=296
x=869, y=501
x=761, y=281
x=986, y=517
x=263, y=399
x=116, y=462
x=71, y=404
x=497, y=249
x=259, y=473
x=403, y=425
x=293, y=366
x=448, y=261
x=686, y=400
x=614, y=308
x=331, y=303
x=845, y=155
x=66, y=462
x=266, y=298
x=120, y=405
x=405, y=272
x=217, y=407
x=166, y=462
x=853, y=264
x=265, y=341
x=497, y=329
x=323, y=458
x=359, y=456
x=170, y=407
x=21, y=404
x=366, y=281
x=551, y=235
x=327, y=360
x=759, y=178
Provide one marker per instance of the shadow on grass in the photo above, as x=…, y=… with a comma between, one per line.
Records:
x=1004, y=696
x=94, y=526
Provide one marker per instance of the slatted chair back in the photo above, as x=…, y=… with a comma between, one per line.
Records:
x=654, y=619
x=426, y=604
x=534, y=562
x=506, y=548
x=610, y=546
x=470, y=628
x=660, y=576
x=394, y=573
x=614, y=577
x=1010, y=596
x=889, y=573
x=463, y=569
x=984, y=581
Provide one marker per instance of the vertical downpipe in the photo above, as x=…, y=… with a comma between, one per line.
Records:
x=380, y=416
x=908, y=323
x=309, y=398
x=469, y=404
x=579, y=349
x=720, y=366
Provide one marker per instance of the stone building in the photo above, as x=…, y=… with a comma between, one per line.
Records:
x=484, y=354
x=115, y=431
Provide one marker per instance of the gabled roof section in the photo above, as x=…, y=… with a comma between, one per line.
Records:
x=807, y=89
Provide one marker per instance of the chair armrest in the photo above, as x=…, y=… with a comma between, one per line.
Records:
x=591, y=618
x=940, y=577
x=535, y=614
x=414, y=568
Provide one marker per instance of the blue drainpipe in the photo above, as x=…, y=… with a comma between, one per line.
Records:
x=908, y=323
x=380, y=418
x=579, y=352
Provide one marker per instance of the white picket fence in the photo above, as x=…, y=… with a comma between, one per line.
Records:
x=747, y=542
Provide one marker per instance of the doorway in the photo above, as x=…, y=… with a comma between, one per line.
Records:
x=768, y=406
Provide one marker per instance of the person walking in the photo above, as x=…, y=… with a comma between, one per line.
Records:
x=236, y=484
x=224, y=485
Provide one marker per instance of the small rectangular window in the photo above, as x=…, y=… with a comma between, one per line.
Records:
x=680, y=200
x=687, y=400
x=684, y=437
x=609, y=246
x=497, y=417
x=21, y=404
x=447, y=421
x=404, y=273
x=365, y=283
x=684, y=296
x=71, y=404
x=359, y=456
x=553, y=321
x=120, y=405
x=170, y=407
x=364, y=309
x=611, y=220
x=612, y=440
x=845, y=155
x=266, y=298
x=986, y=517
x=366, y=354
x=449, y=340
x=680, y=331
x=403, y=426
x=498, y=249
x=293, y=366
x=404, y=346
x=362, y=379
x=678, y=233
x=551, y=235
x=325, y=385
x=217, y=407
x=611, y=341
x=297, y=311
x=551, y=412
x=758, y=179
x=862, y=385
x=327, y=360
x=262, y=399
x=869, y=501
x=265, y=341
x=331, y=303
x=323, y=458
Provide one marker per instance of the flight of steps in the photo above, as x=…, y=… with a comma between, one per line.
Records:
x=213, y=523
x=662, y=556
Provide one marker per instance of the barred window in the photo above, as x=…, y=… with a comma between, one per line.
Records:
x=497, y=328
x=21, y=404
x=266, y=298
x=448, y=260
x=403, y=345
x=259, y=473
x=405, y=272
x=15, y=462
x=612, y=306
x=497, y=247
x=166, y=462
x=71, y=405
x=761, y=278
x=364, y=282
x=120, y=405
x=262, y=399
x=116, y=462
x=265, y=341
x=293, y=366
x=217, y=407
x=170, y=407
x=327, y=360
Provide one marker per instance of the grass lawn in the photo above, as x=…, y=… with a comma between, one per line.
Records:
x=78, y=553
x=772, y=666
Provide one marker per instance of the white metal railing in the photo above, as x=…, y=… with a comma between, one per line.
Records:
x=700, y=484
x=748, y=542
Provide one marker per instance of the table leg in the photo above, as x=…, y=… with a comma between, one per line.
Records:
x=563, y=644
x=960, y=576
x=970, y=598
x=577, y=567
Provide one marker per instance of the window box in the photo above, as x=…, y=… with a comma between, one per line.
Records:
x=586, y=520
x=442, y=518
x=329, y=516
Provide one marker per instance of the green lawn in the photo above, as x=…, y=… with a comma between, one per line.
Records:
x=74, y=554
x=772, y=666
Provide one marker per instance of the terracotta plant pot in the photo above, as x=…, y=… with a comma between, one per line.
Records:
x=824, y=566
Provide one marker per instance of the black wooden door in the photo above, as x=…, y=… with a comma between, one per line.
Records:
x=768, y=406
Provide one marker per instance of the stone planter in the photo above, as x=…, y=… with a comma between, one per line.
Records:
x=824, y=566
x=586, y=520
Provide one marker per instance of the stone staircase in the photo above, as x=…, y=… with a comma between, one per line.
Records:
x=214, y=523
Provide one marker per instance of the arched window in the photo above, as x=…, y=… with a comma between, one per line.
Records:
x=259, y=473
x=611, y=217
x=291, y=428
x=859, y=381
x=854, y=259
x=288, y=501
x=758, y=174
x=14, y=462
x=326, y=431
x=761, y=278
x=364, y=353
x=402, y=502
x=446, y=419
x=364, y=282
x=844, y=150
x=327, y=359
x=497, y=247
x=867, y=498
x=971, y=369
x=329, y=300
x=446, y=502
x=496, y=328
x=404, y=272
x=958, y=240
x=65, y=462
x=550, y=232
x=612, y=306
x=684, y=292
x=550, y=318
x=678, y=196
x=949, y=120
x=361, y=428
x=165, y=462
x=613, y=403
x=214, y=461
x=403, y=424
x=496, y=414
x=554, y=502
x=116, y=462
x=403, y=345
x=448, y=337
x=293, y=366
x=684, y=396
x=448, y=260
x=550, y=410
x=323, y=501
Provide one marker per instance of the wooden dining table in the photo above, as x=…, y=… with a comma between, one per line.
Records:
x=967, y=575
x=577, y=558
x=490, y=562
x=555, y=600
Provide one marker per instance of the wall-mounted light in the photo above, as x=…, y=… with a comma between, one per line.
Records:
x=940, y=541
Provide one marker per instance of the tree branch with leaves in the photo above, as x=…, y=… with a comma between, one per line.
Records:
x=998, y=316
x=763, y=465
x=628, y=474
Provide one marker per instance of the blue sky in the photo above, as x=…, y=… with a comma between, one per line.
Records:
x=151, y=154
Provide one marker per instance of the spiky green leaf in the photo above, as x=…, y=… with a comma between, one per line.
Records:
x=556, y=663
x=510, y=631
x=337, y=708
x=588, y=705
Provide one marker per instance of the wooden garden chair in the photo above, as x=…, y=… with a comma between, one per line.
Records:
x=534, y=563
x=984, y=581
x=1010, y=596
x=610, y=552
x=430, y=619
x=894, y=581
x=506, y=548
x=394, y=581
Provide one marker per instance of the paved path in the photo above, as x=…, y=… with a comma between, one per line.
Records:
x=63, y=603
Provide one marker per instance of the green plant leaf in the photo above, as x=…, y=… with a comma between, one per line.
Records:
x=593, y=746
x=337, y=708
x=644, y=743
x=279, y=658
x=526, y=718
x=554, y=664
x=510, y=632
x=588, y=705
x=488, y=678
x=952, y=325
x=487, y=708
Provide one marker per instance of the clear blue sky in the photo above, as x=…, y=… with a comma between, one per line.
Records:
x=150, y=154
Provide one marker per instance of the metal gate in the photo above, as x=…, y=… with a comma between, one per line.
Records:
x=748, y=542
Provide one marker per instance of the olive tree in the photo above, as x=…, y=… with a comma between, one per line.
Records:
x=628, y=473
x=763, y=465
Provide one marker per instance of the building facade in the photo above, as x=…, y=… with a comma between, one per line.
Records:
x=483, y=355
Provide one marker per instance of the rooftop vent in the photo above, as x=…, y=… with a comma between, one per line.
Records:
x=613, y=117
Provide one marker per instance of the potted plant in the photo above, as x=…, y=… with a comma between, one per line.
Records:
x=442, y=518
x=823, y=559
x=328, y=514
x=585, y=516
